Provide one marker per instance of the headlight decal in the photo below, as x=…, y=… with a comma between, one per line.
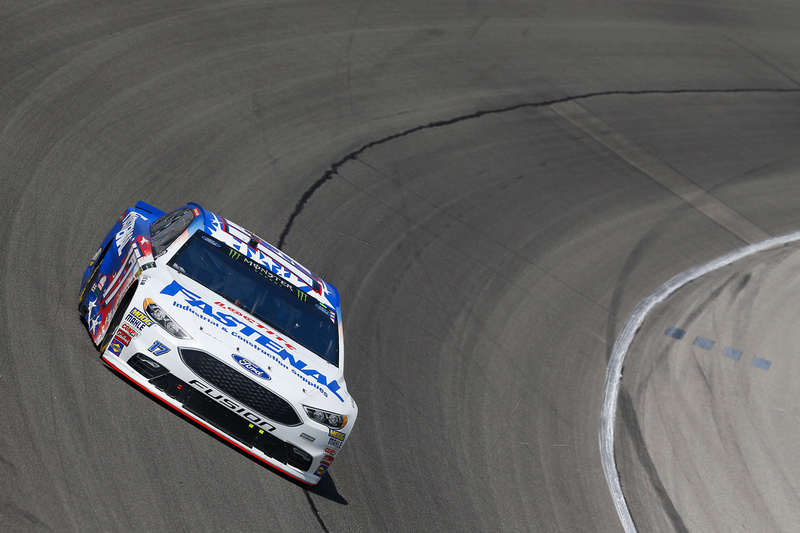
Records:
x=326, y=418
x=164, y=320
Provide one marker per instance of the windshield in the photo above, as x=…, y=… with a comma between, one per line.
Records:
x=260, y=292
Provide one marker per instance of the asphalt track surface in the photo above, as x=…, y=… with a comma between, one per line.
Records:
x=493, y=187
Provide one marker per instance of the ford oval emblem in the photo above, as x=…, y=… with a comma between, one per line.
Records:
x=250, y=366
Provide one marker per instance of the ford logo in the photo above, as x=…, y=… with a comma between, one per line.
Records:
x=250, y=366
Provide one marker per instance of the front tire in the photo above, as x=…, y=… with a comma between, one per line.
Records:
x=90, y=281
x=117, y=318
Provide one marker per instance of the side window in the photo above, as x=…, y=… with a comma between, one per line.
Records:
x=167, y=228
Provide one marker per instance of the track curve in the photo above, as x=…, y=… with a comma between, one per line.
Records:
x=486, y=260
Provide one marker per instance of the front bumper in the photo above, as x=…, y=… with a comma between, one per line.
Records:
x=303, y=451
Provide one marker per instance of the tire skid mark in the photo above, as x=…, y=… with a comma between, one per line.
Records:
x=624, y=340
x=333, y=170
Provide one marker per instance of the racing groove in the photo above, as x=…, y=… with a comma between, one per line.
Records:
x=486, y=248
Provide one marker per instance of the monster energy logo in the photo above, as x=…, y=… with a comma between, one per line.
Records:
x=269, y=274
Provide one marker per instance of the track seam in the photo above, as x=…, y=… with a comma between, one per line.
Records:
x=333, y=170
x=316, y=511
x=634, y=322
x=614, y=369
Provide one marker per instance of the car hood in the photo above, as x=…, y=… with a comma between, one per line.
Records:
x=247, y=344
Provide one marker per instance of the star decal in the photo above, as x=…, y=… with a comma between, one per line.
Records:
x=93, y=323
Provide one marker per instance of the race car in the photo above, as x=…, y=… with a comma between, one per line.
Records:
x=226, y=329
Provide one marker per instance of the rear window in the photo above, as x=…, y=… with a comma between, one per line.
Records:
x=166, y=229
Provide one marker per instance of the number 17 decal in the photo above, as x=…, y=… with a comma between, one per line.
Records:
x=158, y=348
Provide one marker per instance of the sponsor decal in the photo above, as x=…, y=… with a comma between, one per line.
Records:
x=327, y=460
x=142, y=316
x=250, y=367
x=158, y=348
x=115, y=347
x=335, y=434
x=335, y=443
x=321, y=470
x=330, y=451
x=124, y=235
x=264, y=253
x=255, y=335
x=129, y=330
x=123, y=337
x=230, y=404
x=138, y=319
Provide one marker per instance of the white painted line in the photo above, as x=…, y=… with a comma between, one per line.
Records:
x=614, y=370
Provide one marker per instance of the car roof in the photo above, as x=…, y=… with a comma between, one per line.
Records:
x=264, y=253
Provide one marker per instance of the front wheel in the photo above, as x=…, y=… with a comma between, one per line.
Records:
x=117, y=318
x=92, y=278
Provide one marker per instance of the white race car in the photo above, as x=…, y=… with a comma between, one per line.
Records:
x=225, y=328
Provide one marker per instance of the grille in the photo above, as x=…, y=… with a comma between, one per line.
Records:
x=239, y=387
x=146, y=366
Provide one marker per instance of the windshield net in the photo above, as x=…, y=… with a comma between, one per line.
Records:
x=262, y=293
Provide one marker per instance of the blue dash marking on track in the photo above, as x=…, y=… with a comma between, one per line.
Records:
x=675, y=333
x=702, y=342
x=733, y=353
x=623, y=343
x=763, y=364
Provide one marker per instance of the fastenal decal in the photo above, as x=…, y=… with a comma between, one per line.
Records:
x=250, y=367
x=262, y=339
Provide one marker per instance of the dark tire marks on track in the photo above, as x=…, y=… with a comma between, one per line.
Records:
x=333, y=170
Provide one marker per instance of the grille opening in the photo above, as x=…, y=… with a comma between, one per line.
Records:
x=298, y=458
x=284, y=452
x=174, y=387
x=223, y=418
x=146, y=366
x=239, y=387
